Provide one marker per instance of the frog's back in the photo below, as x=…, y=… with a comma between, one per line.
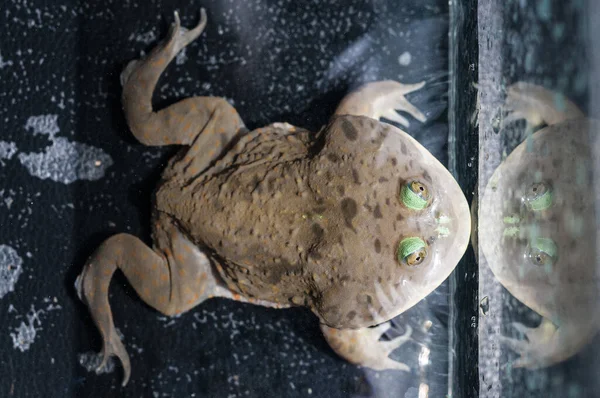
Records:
x=241, y=209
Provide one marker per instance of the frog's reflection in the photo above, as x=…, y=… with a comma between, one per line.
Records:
x=537, y=225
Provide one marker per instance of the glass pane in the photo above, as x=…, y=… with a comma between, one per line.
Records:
x=538, y=185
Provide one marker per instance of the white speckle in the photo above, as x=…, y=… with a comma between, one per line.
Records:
x=25, y=335
x=405, y=58
x=146, y=38
x=4, y=63
x=26, y=332
x=91, y=360
x=181, y=57
x=43, y=124
x=63, y=161
x=10, y=269
x=7, y=150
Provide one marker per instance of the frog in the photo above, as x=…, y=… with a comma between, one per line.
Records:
x=537, y=226
x=357, y=222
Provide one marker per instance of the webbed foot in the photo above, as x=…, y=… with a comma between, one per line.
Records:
x=362, y=346
x=382, y=99
x=546, y=344
x=536, y=105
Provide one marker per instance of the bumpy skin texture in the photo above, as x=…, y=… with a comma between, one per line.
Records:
x=281, y=216
x=565, y=291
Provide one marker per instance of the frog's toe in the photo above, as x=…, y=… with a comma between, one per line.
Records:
x=183, y=36
x=536, y=350
x=363, y=347
x=114, y=346
x=382, y=99
x=395, y=102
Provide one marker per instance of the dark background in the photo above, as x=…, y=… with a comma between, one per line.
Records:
x=71, y=174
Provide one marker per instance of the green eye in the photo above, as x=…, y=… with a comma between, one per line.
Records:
x=412, y=251
x=542, y=251
x=414, y=195
x=538, y=196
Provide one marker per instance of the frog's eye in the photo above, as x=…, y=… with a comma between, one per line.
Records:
x=538, y=197
x=414, y=195
x=412, y=251
x=542, y=251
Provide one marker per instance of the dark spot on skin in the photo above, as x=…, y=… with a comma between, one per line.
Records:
x=377, y=246
x=349, y=210
x=333, y=157
x=318, y=231
x=344, y=278
x=328, y=175
x=349, y=130
x=383, y=179
x=403, y=149
x=351, y=315
x=394, y=161
x=405, y=167
x=364, y=299
x=320, y=209
x=355, y=176
x=271, y=184
x=426, y=176
x=369, y=208
x=341, y=190
x=387, y=201
x=377, y=212
x=557, y=162
x=315, y=254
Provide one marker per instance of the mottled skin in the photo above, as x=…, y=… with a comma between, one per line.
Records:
x=281, y=216
x=564, y=292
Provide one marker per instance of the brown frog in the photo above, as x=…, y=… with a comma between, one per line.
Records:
x=357, y=222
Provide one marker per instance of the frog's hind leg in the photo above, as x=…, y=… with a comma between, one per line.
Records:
x=173, y=277
x=363, y=347
x=205, y=124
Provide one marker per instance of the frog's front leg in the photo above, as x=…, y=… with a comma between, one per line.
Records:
x=205, y=124
x=381, y=99
x=537, y=106
x=548, y=344
x=362, y=346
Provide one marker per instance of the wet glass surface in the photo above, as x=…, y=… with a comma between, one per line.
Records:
x=537, y=219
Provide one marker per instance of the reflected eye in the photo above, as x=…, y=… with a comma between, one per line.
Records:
x=414, y=195
x=542, y=251
x=538, y=196
x=412, y=251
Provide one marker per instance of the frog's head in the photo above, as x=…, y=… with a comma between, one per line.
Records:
x=395, y=225
x=537, y=225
